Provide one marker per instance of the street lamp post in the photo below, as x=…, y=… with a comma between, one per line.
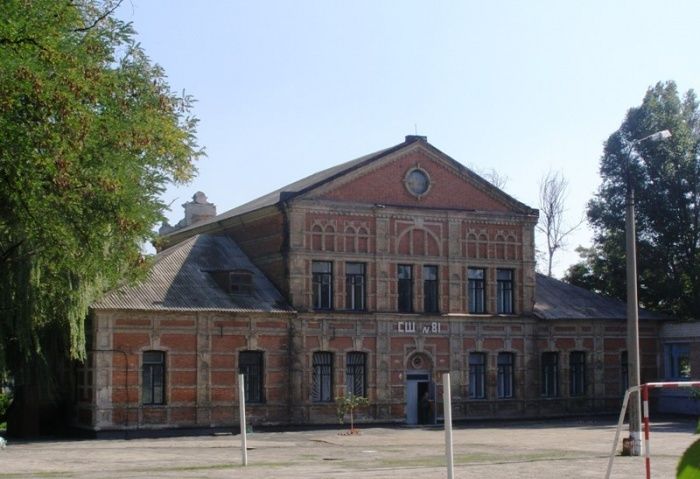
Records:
x=632, y=302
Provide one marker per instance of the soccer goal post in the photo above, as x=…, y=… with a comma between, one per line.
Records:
x=644, y=390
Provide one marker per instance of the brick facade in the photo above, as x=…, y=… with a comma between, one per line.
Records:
x=367, y=218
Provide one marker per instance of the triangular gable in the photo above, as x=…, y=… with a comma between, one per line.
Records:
x=378, y=178
x=417, y=175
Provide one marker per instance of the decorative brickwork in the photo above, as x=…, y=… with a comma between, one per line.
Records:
x=384, y=254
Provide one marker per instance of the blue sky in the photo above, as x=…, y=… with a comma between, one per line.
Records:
x=285, y=89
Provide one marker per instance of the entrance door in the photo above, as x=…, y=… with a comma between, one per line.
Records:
x=417, y=386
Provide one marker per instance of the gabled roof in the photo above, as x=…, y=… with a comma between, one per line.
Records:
x=556, y=299
x=323, y=177
x=180, y=280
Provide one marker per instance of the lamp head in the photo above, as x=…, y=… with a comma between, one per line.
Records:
x=660, y=135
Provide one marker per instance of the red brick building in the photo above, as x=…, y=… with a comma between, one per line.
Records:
x=373, y=278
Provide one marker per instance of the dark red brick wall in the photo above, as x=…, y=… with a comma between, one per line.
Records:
x=385, y=186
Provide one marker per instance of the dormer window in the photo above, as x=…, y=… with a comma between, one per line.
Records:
x=240, y=282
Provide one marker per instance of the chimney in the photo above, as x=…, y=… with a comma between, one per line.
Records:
x=412, y=138
x=199, y=209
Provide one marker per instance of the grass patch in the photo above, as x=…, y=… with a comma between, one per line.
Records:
x=471, y=458
x=212, y=467
x=36, y=474
x=188, y=468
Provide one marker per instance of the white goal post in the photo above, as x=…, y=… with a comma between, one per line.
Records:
x=644, y=388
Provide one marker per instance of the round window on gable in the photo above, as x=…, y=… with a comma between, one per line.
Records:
x=417, y=182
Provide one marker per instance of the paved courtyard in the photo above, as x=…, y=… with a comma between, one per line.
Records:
x=551, y=449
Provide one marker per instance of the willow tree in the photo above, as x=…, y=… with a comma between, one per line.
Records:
x=90, y=135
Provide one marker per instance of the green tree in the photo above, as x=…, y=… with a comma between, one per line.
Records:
x=90, y=134
x=347, y=405
x=666, y=180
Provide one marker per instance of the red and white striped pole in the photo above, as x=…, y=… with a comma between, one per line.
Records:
x=645, y=420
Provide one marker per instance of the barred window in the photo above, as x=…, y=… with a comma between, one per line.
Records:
x=153, y=378
x=250, y=365
x=477, y=375
x=356, y=374
x=322, y=388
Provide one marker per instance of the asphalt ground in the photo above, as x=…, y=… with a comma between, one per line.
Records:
x=528, y=449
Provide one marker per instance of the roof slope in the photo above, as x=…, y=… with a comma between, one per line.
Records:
x=322, y=177
x=556, y=299
x=291, y=189
x=179, y=280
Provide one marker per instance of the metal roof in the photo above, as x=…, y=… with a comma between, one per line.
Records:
x=180, y=279
x=556, y=299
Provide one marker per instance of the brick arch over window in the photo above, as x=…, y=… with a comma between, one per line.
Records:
x=419, y=242
x=512, y=249
x=329, y=238
x=316, y=238
x=476, y=244
x=350, y=239
x=362, y=240
x=323, y=236
x=355, y=238
x=500, y=243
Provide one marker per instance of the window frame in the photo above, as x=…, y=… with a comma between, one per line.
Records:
x=356, y=365
x=404, y=288
x=431, y=289
x=150, y=369
x=577, y=373
x=322, y=377
x=505, y=297
x=505, y=375
x=549, y=374
x=674, y=354
x=240, y=282
x=353, y=281
x=254, y=390
x=476, y=291
x=322, y=282
x=477, y=375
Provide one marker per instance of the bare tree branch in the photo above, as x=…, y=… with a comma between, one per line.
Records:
x=492, y=176
x=552, y=199
x=109, y=11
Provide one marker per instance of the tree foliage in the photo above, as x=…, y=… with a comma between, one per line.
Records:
x=90, y=134
x=666, y=180
x=346, y=405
